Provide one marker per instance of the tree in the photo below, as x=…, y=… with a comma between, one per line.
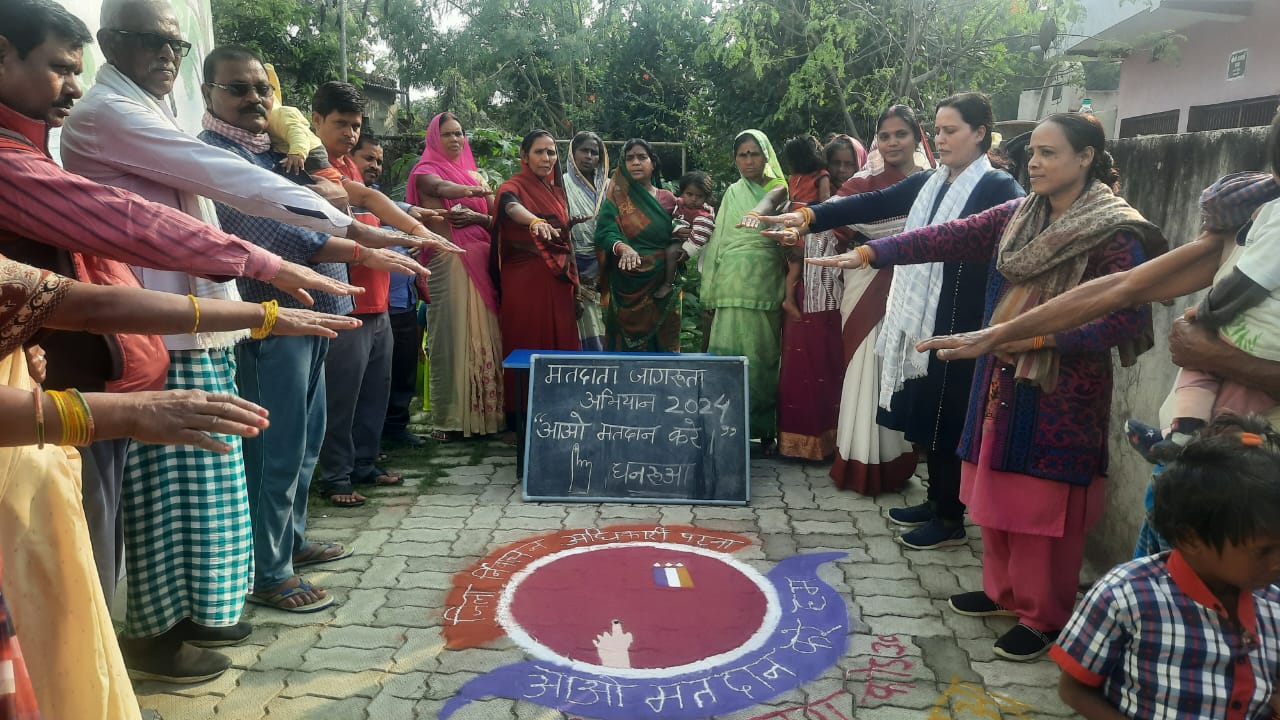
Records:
x=842, y=61
x=286, y=33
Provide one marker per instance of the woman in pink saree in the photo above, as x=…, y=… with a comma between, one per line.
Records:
x=464, y=342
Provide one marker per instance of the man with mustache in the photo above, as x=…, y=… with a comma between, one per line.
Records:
x=70, y=224
x=185, y=514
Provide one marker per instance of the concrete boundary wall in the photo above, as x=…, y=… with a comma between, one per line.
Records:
x=1162, y=177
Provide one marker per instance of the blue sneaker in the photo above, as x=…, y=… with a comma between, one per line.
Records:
x=912, y=515
x=934, y=534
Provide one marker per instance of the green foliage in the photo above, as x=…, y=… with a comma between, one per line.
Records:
x=288, y=34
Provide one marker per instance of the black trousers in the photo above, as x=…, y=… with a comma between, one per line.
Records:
x=406, y=338
x=944, y=486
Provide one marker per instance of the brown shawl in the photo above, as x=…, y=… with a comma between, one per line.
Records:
x=1042, y=264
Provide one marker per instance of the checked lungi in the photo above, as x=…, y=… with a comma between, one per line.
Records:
x=188, y=535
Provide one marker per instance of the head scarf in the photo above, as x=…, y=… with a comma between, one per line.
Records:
x=772, y=168
x=462, y=171
x=546, y=199
x=859, y=152
x=1043, y=261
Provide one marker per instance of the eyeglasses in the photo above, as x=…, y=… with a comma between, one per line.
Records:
x=152, y=42
x=240, y=89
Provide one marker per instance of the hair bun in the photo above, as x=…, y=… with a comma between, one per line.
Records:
x=1104, y=170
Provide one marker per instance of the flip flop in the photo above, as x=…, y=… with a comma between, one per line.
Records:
x=316, y=553
x=277, y=600
x=343, y=488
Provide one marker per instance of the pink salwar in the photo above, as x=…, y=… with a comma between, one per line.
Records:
x=1033, y=533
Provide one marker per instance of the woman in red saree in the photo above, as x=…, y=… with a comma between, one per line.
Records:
x=465, y=347
x=537, y=272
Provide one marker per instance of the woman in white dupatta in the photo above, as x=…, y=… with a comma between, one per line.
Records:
x=921, y=396
x=870, y=458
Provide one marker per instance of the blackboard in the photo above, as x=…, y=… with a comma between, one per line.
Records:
x=637, y=428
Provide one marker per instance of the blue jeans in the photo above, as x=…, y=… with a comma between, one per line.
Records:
x=285, y=375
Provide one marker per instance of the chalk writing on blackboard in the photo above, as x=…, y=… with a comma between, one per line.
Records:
x=634, y=427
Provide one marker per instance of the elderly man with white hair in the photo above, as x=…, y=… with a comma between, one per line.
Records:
x=184, y=514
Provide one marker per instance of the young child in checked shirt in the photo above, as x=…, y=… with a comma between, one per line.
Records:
x=1195, y=632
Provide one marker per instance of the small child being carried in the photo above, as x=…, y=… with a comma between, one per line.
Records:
x=290, y=133
x=1244, y=307
x=694, y=213
x=809, y=183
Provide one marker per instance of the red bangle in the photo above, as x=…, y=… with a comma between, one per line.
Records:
x=355, y=259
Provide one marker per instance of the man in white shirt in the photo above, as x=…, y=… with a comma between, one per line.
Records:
x=185, y=513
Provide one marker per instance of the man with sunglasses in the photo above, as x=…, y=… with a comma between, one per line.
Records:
x=184, y=518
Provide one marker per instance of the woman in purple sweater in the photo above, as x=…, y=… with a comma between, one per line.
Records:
x=1034, y=443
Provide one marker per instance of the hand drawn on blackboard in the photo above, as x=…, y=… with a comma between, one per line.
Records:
x=614, y=646
x=579, y=466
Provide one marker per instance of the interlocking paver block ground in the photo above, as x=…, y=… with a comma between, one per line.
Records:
x=379, y=655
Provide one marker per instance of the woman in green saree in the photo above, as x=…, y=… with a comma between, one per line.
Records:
x=633, y=231
x=742, y=279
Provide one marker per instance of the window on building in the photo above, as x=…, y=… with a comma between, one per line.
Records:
x=1238, y=114
x=1164, y=123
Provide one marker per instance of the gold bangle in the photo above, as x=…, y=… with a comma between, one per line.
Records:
x=195, y=305
x=86, y=415
x=864, y=254
x=63, y=420
x=536, y=221
x=1037, y=342
x=77, y=424
x=271, y=310
x=807, y=213
x=38, y=394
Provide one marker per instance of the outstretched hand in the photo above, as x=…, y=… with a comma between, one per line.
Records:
x=786, y=237
x=189, y=417
x=426, y=238
x=544, y=231
x=392, y=261
x=961, y=346
x=791, y=220
x=292, y=321
x=851, y=260
x=295, y=280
